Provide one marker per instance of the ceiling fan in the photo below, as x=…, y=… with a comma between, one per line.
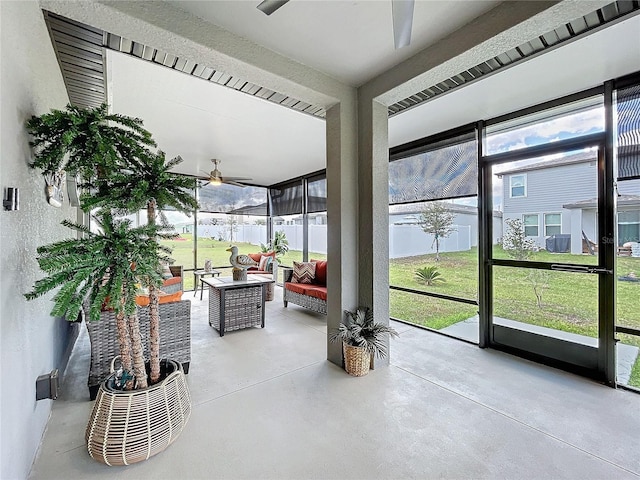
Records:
x=401, y=10
x=215, y=177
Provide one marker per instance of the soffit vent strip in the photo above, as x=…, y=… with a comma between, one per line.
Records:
x=570, y=31
x=79, y=49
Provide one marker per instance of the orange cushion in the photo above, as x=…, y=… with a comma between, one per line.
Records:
x=300, y=288
x=321, y=272
x=143, y=300
x=306, y=289
x=318, y=292
x=171, y=281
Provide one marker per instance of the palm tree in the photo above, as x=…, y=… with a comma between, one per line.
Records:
x=105, y=268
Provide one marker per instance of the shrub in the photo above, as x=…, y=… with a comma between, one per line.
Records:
x=429, y=275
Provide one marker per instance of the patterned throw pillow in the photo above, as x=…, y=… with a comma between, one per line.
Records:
x=166, y=272
x=304, y=272
x=265, y=261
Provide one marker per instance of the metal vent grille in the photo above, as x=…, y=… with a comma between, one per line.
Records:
x=569, y=31
x=79, y=49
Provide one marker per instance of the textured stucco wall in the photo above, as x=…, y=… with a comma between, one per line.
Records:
x=32, y=342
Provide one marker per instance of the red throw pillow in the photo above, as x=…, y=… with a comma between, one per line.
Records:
x=255, y=257
x=321, y=271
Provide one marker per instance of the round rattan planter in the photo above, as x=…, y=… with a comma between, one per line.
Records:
x=356, y=360
x=126, y=427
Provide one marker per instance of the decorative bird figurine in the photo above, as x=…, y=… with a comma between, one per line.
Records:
x=241, y=262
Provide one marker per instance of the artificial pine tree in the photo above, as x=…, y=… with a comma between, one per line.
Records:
x=111, y=153
x=153, y=187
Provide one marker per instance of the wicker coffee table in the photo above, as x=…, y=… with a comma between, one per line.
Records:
x=236, y=304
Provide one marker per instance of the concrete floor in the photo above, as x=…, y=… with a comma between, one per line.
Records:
x=266, y=404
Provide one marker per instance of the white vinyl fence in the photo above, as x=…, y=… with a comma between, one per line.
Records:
x=410, y=240
x=404, y=240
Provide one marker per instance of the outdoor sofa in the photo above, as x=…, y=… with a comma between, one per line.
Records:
x=309, y=295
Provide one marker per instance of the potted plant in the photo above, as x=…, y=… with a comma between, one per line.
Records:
x=279, y=245
x=111, y=153
x=362, y=339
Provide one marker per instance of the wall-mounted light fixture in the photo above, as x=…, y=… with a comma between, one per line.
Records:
x=11, y=198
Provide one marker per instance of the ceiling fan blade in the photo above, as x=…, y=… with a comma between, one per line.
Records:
x=231, y=182
x=270, y=6
x=236, y=179
x=402, y=11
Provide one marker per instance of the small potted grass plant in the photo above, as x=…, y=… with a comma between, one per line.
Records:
x=362, y=339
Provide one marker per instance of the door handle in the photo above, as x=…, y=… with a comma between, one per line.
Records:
x=580, y=269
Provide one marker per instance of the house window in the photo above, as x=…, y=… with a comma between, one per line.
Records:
x=628, y=227
x=552, y=224
x=530, y=225
x=518, y=185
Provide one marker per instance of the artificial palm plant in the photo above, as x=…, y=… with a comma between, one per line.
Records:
x=362, y=339
x=279, y=244
x=112, y=155
x=360, y=330
x=148, y=183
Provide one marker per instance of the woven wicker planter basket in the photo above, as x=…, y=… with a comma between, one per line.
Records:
x=126, y=427
x=356, y=360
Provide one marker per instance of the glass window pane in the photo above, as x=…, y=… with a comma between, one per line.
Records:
x=552, y=218
x=412, y=250
x=291, y=226
x=318, y=236
x=628, y=282
x=457, y=319
x=545, y=302
x=445, y=170
x=549, y=209
x=231, y=198
x=317, y=194
x=552, y=230
x=567, y=121
x=628, y=119
x=629, y=217
x=286, y=199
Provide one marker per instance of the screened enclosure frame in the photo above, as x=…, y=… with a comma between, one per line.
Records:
x=606, y=368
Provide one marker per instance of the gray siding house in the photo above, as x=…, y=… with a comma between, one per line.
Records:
x=560, y=197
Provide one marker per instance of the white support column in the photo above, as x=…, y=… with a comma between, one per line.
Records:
x=373, y=217
x=342, y=218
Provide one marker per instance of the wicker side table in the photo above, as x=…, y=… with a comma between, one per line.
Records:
x=236, y=304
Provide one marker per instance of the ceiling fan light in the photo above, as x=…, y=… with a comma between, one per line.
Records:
x=215, y=181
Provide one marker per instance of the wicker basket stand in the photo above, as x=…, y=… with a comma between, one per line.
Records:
x=356, y=360
x=127, y=427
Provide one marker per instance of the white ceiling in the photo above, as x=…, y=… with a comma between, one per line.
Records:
x=351, y=41
x=200, y=120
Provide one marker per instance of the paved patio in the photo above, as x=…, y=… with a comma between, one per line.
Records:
x=266, y=404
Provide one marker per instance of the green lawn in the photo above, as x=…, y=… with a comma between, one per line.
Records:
x=216, y=251
x=569, y=301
